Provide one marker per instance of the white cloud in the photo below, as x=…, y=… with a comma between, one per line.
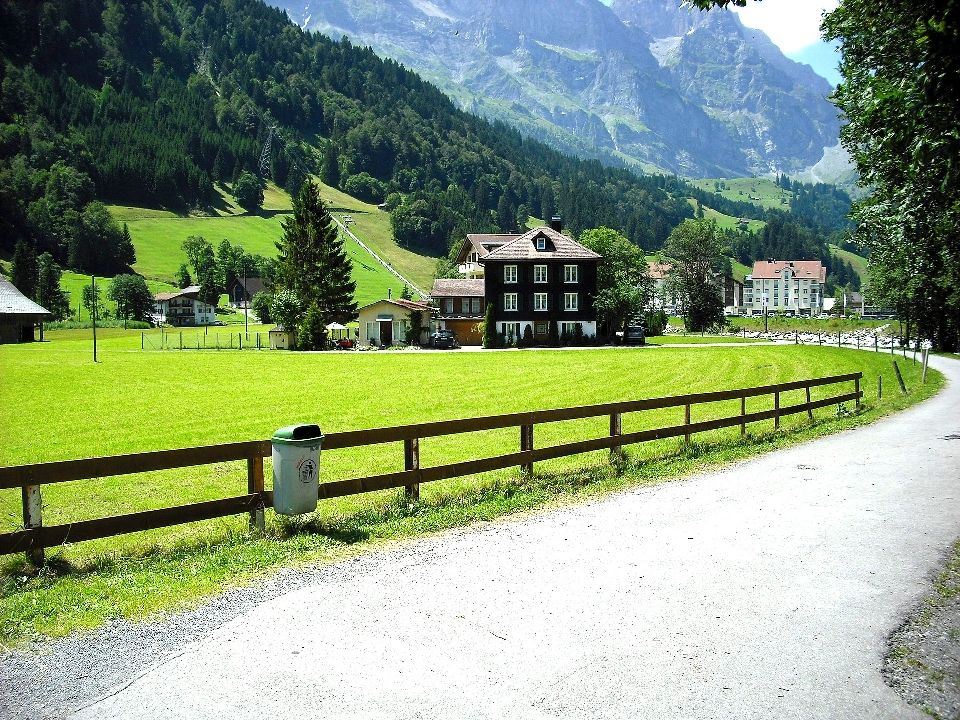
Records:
x=791, y=24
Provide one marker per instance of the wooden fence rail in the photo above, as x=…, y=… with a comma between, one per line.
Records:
x=34, y=536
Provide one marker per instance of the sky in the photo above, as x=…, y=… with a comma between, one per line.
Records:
x=791, y=24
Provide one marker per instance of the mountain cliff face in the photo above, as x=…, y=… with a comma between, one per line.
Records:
x=642, y=82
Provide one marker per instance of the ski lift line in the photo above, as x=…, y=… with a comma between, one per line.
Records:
x=388, y=266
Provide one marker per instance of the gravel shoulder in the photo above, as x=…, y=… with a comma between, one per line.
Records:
x=768, y=589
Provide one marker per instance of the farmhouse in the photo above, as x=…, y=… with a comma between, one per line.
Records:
x=241, y=290
x=790, y=286
x=461, y=307
x=539, y=278
x=184, y=307
x=18, y=315
x=386, y=322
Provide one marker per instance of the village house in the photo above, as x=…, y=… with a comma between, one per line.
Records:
x=184, y=308
x=19, y=315
x=789, y=286
x=476, y=247
x=539, y=278
x=460, y=307
x=390, y=321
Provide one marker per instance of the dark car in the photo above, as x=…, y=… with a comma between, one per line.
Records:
x=444, y=339
x=635, y=335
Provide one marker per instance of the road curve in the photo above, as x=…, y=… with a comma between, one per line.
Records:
x=766, y=590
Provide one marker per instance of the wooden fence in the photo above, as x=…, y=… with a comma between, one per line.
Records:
x=34, y=536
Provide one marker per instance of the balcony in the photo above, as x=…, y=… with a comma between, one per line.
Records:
x=472, y=270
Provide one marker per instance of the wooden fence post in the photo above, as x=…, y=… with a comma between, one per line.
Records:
x=33, y=519
x=896, y=371
x=743, y=414
x=879, y=386
x=926, y=358
x=616, y=429
x=526, y=443
x=809, y=409
x=856, y=389
x=255, y=486
x=776, y=407
x=686, y=421
x=411, y=461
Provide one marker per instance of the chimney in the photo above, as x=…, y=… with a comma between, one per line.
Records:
x=556, y=222
x=389, y=293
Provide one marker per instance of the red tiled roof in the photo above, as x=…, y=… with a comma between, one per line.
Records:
x=800, y=269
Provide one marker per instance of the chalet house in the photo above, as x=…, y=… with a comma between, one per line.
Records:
x=241, y=290
x=460, y=307
x=386, y=322
x=789, y=286
x=538, y=278
x=477, y=247
x=184, y=308
x=19, y=315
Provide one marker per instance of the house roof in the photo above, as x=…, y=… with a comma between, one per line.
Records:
x=558, y=247
x=190, y=290
x=659, y=271
x=484, y=243
x=14, y=302
x=400, y=302
x=800, y=269
x=252, y=285
x=445, y=288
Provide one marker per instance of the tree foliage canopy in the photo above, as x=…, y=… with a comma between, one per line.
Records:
x=624, y=286
x=696, y=248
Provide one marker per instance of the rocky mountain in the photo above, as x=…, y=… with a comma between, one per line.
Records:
x=641, y=82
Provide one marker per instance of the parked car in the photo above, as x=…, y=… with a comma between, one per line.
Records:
x=635, y=335
x=444, y=339
x=218, y=322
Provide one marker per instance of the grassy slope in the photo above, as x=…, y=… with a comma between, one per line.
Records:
x=858, y=262
x=741, y=189
x=56, y=404
x=158, y=235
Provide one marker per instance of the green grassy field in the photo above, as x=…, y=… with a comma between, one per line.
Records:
x=55, y=403
x=726, y=222
x=159, y=234
x=743, y=189
x=858, y=263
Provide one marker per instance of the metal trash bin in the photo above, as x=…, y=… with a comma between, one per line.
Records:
x=296, y=468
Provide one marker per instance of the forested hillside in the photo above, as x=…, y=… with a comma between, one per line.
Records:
x=152, y=102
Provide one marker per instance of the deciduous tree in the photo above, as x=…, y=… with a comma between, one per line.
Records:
x=696, y=249
x=624, y=285
x=132, y=296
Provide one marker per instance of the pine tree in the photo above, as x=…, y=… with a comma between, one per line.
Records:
x=330, y=170
x=23, y=268
x=312, y=261
x=49, y=293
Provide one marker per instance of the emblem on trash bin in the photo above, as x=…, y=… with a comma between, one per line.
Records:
x=307, y=470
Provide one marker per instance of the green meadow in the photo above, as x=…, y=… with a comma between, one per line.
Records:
x=56, y=404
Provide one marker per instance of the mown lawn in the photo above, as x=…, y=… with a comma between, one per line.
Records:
x=55, y=403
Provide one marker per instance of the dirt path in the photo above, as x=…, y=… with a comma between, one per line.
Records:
x=767, y=590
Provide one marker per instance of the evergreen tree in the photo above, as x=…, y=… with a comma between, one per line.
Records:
x=489, y=329
x=330, y=170
x=23, y=268
x=183, y=277
x=312, y=261
x=49, y=293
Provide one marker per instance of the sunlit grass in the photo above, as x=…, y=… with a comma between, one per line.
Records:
x=55, y=403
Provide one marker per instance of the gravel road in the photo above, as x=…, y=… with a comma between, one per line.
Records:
x=766, y=590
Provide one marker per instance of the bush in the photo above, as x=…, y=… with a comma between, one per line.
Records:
x=260, y=304
x=527, y=339
x=365, y=187
x=656, y=322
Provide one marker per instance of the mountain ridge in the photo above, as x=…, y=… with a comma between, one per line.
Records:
x=641, y=82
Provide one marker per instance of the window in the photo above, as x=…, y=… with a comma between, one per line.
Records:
x=539, y=273
x=510, y=301
x=473, y=257
x=475, y=305
x=509, y=273
x=465, y=305
x=539, y=301
x=571, y=328
x=541, y=243
x=448, y=307
x=571, y=301
x=511, y=330
x=570, y=273
x=541, y=328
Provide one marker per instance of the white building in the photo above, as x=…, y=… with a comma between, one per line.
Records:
x=184, y=307
x=789, y=286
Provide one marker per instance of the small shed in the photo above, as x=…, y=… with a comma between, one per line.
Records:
x=281, y=338
x=19, y=315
